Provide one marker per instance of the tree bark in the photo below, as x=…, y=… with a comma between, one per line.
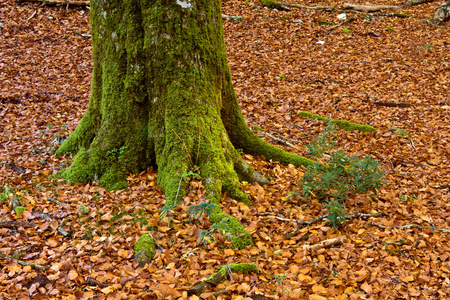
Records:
x=161, y=94
x=442, y=14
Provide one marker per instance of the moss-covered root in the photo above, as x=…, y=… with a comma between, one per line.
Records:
x=244, y=171
x=346, y=125
x=144, y=250
x=272, y=4
x=221, y=275
x=232, y=229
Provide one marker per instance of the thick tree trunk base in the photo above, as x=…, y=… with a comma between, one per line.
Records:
x=161, y=95
x=442, y=14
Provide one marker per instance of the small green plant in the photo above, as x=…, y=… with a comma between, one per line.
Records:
x=346, y=30
x=323, y=22
x=83, y=210
x=166, y=210
x=343, y=175
x=429, y=46
x=6, y=190
x=390, y=29
x=400, y=132
x=194, y=173
x=20, y=210
x=207, y=236
x=279, y=278
x=196, y=211
x=323, y=143
x=336, y=213
x=404, y=198
x=116, y=153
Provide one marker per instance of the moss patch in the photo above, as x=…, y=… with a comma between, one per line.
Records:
x=144, y=250
x=346, y=125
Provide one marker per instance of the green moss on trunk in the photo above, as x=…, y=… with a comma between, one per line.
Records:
x=161, y=94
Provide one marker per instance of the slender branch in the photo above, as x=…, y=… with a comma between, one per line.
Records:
x=409, y=226
x=349, y=20
x=323, y=218
x=21, y=262
x=367, y=8
x=220, y=276
x=326, y=243
x=393, y=104
x=15, y=225
x=56, y=2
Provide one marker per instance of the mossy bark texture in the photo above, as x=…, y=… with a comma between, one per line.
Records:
x=161, y=94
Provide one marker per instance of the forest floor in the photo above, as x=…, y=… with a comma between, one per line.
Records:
x=282, y=62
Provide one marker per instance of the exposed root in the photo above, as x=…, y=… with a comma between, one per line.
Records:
x=222, y=275
x=346, y=125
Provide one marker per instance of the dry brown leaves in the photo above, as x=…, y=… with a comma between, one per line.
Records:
x=279, y=67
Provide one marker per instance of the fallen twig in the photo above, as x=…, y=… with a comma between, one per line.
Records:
x=56, y=2
x=221, y=275
x=232, y=18
x=349, y=20
x=280, y=140
x=323, y=218
x=393, y=104
x=326, y=243
x=275, y=138
x=93, y=282
x=367, y=8
x=409, y=227
x=15, y=225
x=21, y=262
x=29, y=18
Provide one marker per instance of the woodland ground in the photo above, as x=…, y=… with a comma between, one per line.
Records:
x=279, y=67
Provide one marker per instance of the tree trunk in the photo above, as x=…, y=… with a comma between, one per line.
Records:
x=442, y=14
x=161, y=94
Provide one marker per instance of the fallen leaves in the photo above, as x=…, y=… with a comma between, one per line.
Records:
x=279, y=67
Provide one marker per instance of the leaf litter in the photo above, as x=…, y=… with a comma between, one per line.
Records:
x=278, y=69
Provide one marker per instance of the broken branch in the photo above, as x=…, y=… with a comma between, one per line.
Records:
x=326, y=243
x=220, y=276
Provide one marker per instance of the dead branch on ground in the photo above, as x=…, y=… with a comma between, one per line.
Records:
x=56, y=2
x=367, y=8
x=15, y=225
x=409, y=227
x=326, y=243
x=323, y=218
x=21, y=262
x=393, y=104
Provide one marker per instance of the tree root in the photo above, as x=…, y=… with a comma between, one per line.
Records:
x=442, y=14
x=346, y=125
x=220, y=276
x=347, y=7
x=282, y=5
x=21, y=262
x=410, y=226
